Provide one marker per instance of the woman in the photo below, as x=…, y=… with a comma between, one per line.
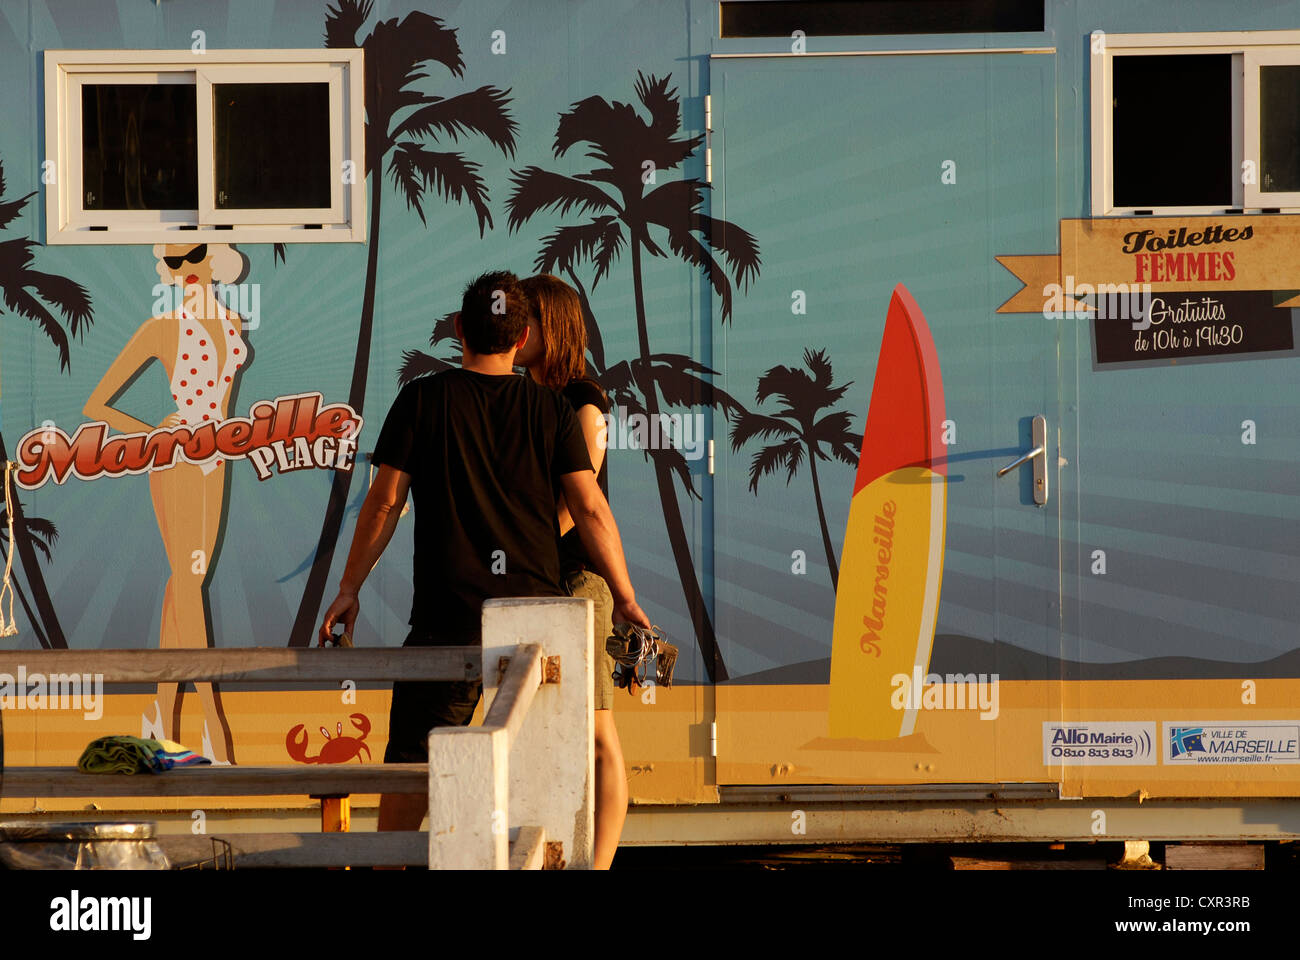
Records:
x=200, y=347
x=555, y=356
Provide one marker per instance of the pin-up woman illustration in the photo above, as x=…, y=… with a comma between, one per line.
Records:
x=201, y=348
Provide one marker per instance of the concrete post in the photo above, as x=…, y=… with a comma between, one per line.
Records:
x=468, y=798
x=552, y=761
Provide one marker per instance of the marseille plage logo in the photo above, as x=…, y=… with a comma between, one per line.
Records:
x=1185, y=740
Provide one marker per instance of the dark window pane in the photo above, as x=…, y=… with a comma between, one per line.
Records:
x=272, y=145
x=137, y=147
x=831, y=18
x=1172, y=130
x=1279, y=129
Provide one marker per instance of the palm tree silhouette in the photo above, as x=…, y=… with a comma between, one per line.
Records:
x=631, y=153
x=799, y=430
x=417, y=363
x=30, y=293
x=398, y=119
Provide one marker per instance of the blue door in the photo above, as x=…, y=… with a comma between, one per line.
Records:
x=857, y=174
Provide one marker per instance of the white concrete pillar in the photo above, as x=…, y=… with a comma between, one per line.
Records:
x=552, y=762
x=468, y=799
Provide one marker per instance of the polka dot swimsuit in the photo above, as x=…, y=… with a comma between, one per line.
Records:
x=198, y=387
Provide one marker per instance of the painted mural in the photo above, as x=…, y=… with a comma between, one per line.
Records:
x=187, y=457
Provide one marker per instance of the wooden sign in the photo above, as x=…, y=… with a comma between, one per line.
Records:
x=1159, y=255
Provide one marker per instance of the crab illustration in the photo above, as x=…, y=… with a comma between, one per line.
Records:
x=337, y=749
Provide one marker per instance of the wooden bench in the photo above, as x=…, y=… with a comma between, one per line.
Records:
x=332, y=784
x=532, y=757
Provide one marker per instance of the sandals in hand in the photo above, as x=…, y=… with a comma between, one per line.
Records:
x=633, y=648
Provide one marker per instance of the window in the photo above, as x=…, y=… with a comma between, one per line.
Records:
x=1195, y=123
x=172, y=146
x=1273, y=95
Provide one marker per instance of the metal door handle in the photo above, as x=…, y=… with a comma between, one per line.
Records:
x=1037, y=451
x=1039, y=456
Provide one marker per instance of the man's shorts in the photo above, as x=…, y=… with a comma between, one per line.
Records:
x=584, y=583
x=419, y=706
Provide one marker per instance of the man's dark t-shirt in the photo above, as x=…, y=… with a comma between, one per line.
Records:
x=485, y=454
x=580, y=392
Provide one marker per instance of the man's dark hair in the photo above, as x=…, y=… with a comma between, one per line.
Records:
x=493, y=312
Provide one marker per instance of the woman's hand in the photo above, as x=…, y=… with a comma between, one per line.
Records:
x=631, y=612
x=171, y=420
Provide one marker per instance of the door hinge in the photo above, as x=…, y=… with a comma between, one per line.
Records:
x=713, y=739
x=708, y=139
x=710, y=457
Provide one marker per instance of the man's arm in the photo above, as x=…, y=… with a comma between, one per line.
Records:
x=595, y=523
x=375, y=526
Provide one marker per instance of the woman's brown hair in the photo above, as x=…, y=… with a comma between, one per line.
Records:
x=564, y=332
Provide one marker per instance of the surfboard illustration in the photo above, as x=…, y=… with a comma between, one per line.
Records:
x=892, y=561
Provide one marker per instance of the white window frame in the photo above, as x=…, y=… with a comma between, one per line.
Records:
x=67, y=222
x=1253, y=60
x=1246, y=48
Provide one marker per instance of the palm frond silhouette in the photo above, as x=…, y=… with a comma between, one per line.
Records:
x=38, y=296
x=630, y=153
x=799, y=429
x=401, y=118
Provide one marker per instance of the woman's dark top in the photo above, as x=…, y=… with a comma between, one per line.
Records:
x=579, y=393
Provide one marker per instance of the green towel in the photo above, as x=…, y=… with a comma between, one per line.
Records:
x=119, y=755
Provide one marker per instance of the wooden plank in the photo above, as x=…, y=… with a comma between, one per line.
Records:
x=220, y=781
x=1214, y=856
x=978, y=863
x=251, y=664
x=258, y=850
x=281, y=850
x=526, y=851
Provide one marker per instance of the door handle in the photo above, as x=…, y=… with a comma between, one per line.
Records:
x=1037, y=451
x=1039, y=456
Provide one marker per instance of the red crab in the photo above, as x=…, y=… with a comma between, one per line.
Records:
x=338, y=749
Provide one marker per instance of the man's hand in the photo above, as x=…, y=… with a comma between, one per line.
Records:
x=630, y=612
x=344, y=609
x=375, y=527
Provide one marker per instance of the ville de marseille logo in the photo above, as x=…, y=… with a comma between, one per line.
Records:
x=1185, y=740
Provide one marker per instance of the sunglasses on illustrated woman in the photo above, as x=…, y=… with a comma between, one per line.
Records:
x=194, y=256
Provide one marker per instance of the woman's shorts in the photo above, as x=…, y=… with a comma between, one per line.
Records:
x=584, y=583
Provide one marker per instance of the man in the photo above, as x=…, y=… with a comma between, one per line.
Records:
x=485, y=453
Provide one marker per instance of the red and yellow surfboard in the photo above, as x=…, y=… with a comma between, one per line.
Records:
x=892, y=562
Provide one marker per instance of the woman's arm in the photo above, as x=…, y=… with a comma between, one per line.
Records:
x=600, y=536
x=139, y=350
x=594, y=428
